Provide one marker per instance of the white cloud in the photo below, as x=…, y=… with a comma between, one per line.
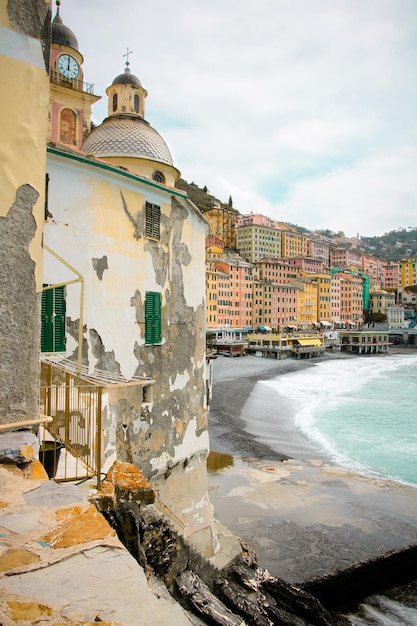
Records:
x=303, y=110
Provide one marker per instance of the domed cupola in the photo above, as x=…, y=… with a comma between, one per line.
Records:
x=127, y=78
x=125, y=138
x=61, y=34
x=126, y=94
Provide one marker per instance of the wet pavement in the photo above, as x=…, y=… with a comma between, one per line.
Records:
x=307, y=519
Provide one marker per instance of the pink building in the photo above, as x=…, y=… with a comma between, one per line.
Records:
x=343, y=257
x=276, y=270
x=319, y=249
x=374, y=267
x=390, y=279
x=306, y=264
x=239, y=293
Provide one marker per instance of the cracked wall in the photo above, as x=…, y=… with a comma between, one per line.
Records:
x=163, y=428
x=24, y=33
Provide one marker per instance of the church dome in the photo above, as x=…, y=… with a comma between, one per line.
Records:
x=61, y=34
x=127, y=78
x=127, y=136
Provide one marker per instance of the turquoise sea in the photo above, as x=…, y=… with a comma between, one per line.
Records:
x=359, y=412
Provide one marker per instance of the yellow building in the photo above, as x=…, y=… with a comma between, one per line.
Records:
x=293, y=244
x=306, y=301
x=380, y=301
x=324, y=302
x=24, y=68
x=407, y=273
x=222, y=222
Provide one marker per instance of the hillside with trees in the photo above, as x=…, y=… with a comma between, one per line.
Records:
x=393, y=246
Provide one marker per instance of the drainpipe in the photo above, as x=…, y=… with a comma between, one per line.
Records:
x=80, y=280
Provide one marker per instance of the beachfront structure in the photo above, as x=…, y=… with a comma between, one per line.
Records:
x=364, y=341
x=124, y=302
x=222, y=223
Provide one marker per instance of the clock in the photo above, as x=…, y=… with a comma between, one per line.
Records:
x=68, y=66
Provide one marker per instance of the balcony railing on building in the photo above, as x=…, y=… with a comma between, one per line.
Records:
x=73, y=83
x=73, y=436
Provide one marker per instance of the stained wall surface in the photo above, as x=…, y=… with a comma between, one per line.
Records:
x=97, y=224
x=24, y=49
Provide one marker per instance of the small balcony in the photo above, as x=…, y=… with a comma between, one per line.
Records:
x=71, y=83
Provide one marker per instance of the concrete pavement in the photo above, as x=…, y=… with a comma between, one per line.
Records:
x=61, y=562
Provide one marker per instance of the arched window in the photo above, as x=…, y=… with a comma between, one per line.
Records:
x=136, y=105
x=115, y=102
x=158, y=177
x=68, y=130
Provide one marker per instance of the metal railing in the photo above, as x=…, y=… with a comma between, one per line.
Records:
x=73, y=438
x=73, y=83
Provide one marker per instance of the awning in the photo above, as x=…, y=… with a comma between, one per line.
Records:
x=310, y=342
x=325, y=323
x=268, y=328
x=288, y=326
x=261, y=328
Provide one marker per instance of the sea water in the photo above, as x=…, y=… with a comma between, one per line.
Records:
x=360, y=412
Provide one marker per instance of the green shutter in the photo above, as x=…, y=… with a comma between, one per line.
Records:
x=153, y=322
x=46, y=321
x=59, y=318
x=53, y=320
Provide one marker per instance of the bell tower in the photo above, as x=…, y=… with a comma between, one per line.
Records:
x=71, y=98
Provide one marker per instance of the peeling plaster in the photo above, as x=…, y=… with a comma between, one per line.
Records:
x=105, y=360
x=99, y=266
x=180, y=381
x=19, y=311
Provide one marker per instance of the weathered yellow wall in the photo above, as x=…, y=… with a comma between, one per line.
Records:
x=23, y=111
x=23, y=106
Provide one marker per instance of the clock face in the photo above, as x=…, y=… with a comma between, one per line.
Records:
x=68, y=66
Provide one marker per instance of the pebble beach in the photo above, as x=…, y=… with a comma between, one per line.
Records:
x=305, y=517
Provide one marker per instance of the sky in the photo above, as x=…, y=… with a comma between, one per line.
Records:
x=302, y=110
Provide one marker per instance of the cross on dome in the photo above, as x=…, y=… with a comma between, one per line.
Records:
x=127, y=53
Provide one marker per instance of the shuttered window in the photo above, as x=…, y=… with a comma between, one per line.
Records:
x=153, y=322
x=153, y=220
x=53, y=320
